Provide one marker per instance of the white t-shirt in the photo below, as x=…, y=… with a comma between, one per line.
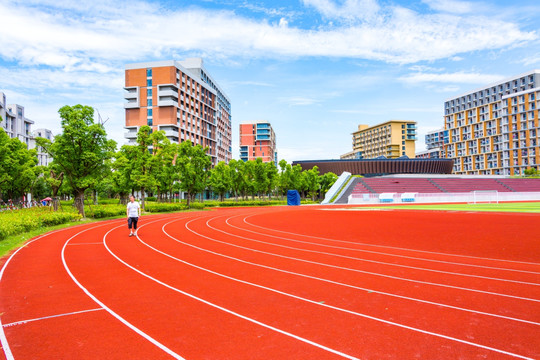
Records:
x=133, y=209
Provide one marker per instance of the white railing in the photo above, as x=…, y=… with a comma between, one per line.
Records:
x=342, y=179
x=441, y=197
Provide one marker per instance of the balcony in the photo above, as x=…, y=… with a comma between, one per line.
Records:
x=167, y=95
x=171, y=131
x=132, y=97
x=131, y=133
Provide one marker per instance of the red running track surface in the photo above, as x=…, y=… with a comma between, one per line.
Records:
x=278, y=283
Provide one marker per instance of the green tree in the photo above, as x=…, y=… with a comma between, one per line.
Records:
x=220, y=180
x=121, y=174
x=236, y=168
x=296, y=179
x=326, y=181
x=260, y=181
x=311, y=181
x=250, y=187
x=168, y=170
x=284, y=181
x=54, y=178
x=81, y=151
x=144, y=165
x=272, y=176
x=5, y=178
x=19, y=168
x=194, y=165
x=532, y=172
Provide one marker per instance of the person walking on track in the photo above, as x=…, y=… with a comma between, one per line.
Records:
x=133, y=212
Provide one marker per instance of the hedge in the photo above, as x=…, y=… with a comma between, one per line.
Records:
x=19, y=221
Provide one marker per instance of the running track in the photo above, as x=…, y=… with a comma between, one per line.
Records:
x=278, y=283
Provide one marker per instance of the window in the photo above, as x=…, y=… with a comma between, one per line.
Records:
x=149, y=92
x=149, y=82
x=149, y=112
x=148, y=72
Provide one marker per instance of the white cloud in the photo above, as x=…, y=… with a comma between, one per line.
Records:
x=451, y=6
x=350, y=9
x=117, y=33
x=299, y=100
x=450, y=78
x=43, y=80
x=532, y=60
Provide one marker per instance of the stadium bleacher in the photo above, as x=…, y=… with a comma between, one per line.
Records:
x=467, y=185
x=440, y=185
x=401, y=185
x=522, y=185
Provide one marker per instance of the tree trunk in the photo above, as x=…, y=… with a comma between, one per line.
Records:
x=94, y=192
x=79, y=202
x=142, y=199
x=55, y=203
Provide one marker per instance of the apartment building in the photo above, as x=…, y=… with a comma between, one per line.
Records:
x=258, y=140
x=43, y=158
x=391, y=139
x=182, y=99
x=435, y=140
x=14, y=123
x=493, y=130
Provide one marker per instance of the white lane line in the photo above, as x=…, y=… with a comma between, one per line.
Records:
x=379, y=252
x=366, y=260
x=224, y=309
x=98, y=243
x=3, y=339
x=390, y=247
x=339, y=283
x=51, y=317
x=364, y=272
x=302, y=299
x=110, y=311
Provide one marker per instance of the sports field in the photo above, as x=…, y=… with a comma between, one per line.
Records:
x=525, y=207
x=279, y=283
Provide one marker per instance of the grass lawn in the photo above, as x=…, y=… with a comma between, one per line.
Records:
x=524, y=207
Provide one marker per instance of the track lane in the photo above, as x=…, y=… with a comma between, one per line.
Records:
x=182, y=323
x=449, y=296
x=435, y=235
x=36, y=287
x=380, y=260
x=183, y=252
x=409, y=257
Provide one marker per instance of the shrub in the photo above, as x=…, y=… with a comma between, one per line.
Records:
x=197, y=205
x=164, y=207
x=20, y=221
x=252, y=203
x=103, y=211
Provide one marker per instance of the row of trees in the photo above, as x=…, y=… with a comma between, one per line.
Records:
x=18, y=170
x=85, y=160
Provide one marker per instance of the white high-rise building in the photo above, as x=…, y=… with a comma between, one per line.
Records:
x=43, y=158
x=15, y=124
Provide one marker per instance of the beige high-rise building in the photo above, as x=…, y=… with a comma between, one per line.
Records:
x=391, y=139
x=494, y=130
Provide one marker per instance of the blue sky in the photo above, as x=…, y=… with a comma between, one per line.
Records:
x=314, y=68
